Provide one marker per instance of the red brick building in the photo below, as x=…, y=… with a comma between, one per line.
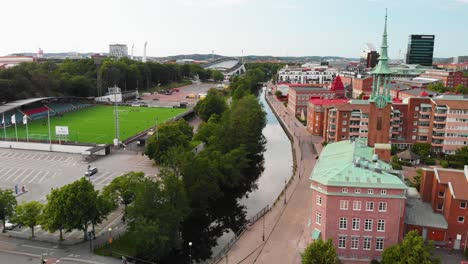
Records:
x=445, y=191
x=360, y=85
x=448, y=78
x=300, y=94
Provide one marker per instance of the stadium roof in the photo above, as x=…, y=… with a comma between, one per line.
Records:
x=15, y=104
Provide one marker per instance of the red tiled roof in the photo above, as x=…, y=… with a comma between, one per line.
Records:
x=303, y=85
x=457, y=180
x=423, y=93
x=453, y=104
x=322, y=102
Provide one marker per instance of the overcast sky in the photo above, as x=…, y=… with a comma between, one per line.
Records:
x=261, y=27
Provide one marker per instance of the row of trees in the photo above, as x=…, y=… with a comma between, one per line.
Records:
x=413, y=249
x=79, y=77
x=216, y=176
x=73, y=206
x=440, y=88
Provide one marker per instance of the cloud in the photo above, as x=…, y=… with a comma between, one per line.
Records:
x=211, y=3
x=285, y=6
x=462, y=1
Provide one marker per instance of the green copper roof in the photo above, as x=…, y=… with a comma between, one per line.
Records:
x=349, y=164
x=382, y=66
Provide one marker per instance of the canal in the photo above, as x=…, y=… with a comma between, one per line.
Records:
x=278, y=168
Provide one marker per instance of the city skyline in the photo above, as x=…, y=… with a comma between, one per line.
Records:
x=276, y=28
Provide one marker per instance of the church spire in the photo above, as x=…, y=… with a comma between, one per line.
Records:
x=382, y=66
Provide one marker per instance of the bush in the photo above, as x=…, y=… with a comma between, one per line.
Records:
x=444, y=164
x=374, y=261
x=278, y=93
x=429, y=161
x=396, y=166
x=324, y=143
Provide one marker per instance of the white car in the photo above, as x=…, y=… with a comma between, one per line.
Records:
x=9, y=225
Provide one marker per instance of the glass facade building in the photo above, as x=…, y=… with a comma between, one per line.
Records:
x=420, y=49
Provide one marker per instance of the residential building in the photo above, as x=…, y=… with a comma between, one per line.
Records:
x=356, y=202
x=445, y=219
x=420, y=49
x=312, y=74
x=299, y=95
x=118, y=50
x=11, y=61
x=448, y=78
x=453, y=66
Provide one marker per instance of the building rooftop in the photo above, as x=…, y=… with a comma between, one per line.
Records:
x=457, y=181
x=348, y=163
x=421, y=214
x=321, y=102
x=452, y=104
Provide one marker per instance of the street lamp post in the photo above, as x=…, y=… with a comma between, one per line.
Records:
x=263, y=235
x=190, y=252
x=284, y=191
x=110, y=240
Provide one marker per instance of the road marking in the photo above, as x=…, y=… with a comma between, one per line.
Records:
x=25, y=178
x=30, y=246
x=35, y=176
x=105, y=179
x=20, y=253
x=47, y=173
x=19, y=175
x=6, y=173
x=11, y=175
x=3, y=170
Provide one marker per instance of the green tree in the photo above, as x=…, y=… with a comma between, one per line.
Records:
x=7, y=205
x=29, y=214
x=217, y=76
x=437, y=87
x=80, y=204
x=122, y=189
x=412, y=250
x=214, y=103
x=461, y=157
x=461, y=89
x=416, y=182
x=54, y=216
x=278, y=93
x=320, y=252
x=361, y=95
x=422, y=149
x=169, y=135
x=158, y=210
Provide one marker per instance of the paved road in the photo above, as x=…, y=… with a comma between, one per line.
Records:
x=285, y=227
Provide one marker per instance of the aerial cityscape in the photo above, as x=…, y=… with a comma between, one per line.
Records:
x=234, y=131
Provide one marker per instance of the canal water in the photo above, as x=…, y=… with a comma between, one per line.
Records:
x=278, y=168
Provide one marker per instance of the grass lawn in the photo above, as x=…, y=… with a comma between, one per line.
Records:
x=96, y=124
x=120, y=246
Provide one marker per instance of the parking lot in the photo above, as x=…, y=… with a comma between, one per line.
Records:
x=38, y=172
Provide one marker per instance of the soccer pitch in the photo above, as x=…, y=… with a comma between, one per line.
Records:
x=95, y=124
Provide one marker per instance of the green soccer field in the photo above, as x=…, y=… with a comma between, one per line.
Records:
x=95, y=124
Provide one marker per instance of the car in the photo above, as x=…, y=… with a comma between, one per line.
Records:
x=91, y=171
x=9, y=225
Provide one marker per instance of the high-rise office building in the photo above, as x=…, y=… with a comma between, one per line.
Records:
x=369, y=56
x=420, y=49
x=118, y=50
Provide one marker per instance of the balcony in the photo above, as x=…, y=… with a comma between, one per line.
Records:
x=439, y=120
x=438, y=135
x=424, y=117
x=440, y=113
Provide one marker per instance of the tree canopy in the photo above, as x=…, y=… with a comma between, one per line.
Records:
x=320, y=252
x=29, y=214
x=7, y=205
x=214, y=103
x=54, y=217
x=412, y=250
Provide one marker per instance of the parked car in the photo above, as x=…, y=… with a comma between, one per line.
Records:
x=9, y=225
x=91, y=171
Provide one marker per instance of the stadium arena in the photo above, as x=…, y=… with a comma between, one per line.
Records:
x=73, y=120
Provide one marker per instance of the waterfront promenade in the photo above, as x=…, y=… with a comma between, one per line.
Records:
x=283, y=233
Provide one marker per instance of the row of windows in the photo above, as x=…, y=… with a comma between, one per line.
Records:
x=457, y=119
x=369, y=191
x=459, y=112
x=366, y=243
x=356, y=224
x=357, y=206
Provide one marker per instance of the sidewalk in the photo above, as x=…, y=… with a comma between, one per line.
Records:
x=286, y=226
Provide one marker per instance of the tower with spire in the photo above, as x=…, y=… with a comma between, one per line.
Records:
x=380, y=99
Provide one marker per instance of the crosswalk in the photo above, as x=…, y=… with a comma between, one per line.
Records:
x=26, y=175
x=38, y=159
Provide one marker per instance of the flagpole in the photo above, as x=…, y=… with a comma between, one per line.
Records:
x=27, y=132
x=16, y=131
x=4, y=126
x=48, y=121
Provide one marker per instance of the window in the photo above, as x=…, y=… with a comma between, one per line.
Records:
x=342, y=242
x=319, y=200
x=383, y=192
x=345, y=123
x=415, y=115
x=357, y=205
x=461, y=219
x=368, y=225
x=318, y=218
x=463, y=205
x=379, y=123
x=343, y=205
x=344, y=190
x=440, y=206
x=381, y=225
x=343, y=129
x=382, y=207
x=441, y=194
x=379, y=244
x=367, y=243
x=370, y=206
x=370, y=191
x=343, y=223
x=356, y=223
x=357, y=190
x=355, y=243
